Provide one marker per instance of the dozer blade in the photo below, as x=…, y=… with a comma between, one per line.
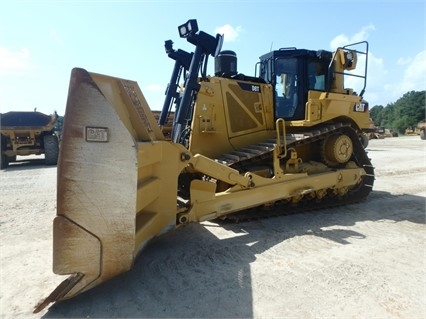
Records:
x=116, y=183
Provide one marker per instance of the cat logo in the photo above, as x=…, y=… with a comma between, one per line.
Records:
x=361, y=107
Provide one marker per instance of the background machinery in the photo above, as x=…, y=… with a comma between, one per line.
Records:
x=289, y=138
x=421, y=126
x=27, y=133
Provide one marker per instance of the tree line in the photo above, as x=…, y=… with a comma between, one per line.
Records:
x=405, y=113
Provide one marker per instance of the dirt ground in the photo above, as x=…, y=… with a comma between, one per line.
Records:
x=361, y=261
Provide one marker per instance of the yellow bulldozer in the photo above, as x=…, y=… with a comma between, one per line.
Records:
x=289, y=138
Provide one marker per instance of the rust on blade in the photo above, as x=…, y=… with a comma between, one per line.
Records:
x=59, y=292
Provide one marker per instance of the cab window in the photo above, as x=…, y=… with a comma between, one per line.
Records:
x=316, y=75
x=286, y=82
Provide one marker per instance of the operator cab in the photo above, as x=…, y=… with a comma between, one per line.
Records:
x=293, y=72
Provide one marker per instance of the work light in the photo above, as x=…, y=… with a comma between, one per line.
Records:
x=188, y=28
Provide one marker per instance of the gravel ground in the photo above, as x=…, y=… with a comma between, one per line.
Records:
x=360, y=261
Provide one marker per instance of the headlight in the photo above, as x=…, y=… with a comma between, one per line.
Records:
x=188, y=28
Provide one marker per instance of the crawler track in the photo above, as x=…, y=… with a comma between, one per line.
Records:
x=262, y=153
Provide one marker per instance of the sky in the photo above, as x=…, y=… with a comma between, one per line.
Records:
x=42, y=41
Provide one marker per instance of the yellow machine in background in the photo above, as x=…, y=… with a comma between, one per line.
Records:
x=418, y=130
x=421, y=126
x=287, y=137
x=27, y=133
